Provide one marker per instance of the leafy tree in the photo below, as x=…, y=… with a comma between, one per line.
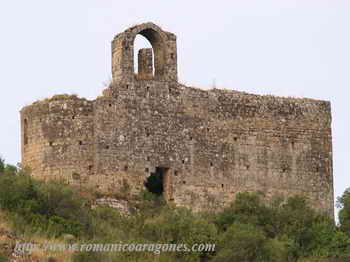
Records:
x=2, y=165
x=252, y=228
x=247, y=208
x=10, y=169
x=180, y=226
x=344, y=213
x=54, y=208
x=241, y=242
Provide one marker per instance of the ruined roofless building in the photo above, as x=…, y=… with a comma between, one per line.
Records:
x=198, y=148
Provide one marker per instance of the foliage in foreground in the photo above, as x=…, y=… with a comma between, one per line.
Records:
x=249, y=230
x=344, y=213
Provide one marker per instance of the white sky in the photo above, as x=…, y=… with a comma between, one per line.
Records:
x=286, y=48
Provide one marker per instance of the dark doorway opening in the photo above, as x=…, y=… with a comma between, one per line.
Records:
x=155, y=182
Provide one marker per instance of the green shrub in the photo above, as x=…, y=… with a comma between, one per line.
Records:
x=344, y=214
x=2, y=167
x=53, y=208
x=250, y=229
x=241, y=242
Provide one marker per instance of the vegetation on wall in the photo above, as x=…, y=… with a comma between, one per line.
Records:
x=250, y=229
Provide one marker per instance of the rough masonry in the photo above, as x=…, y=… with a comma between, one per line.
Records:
x=199, y=147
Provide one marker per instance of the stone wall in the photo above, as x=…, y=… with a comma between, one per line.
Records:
x=219, y=142
x=212, y=143
x=59, y=138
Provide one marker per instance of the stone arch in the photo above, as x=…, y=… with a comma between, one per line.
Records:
x=164, y=49
x=158, y=46
x=143, y=56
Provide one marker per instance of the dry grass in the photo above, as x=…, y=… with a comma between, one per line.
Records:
x=4, y=224
x=41, y=253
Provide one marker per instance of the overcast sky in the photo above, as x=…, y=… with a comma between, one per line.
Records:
x=285, y=48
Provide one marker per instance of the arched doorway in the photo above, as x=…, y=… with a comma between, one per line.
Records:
x=159, y=183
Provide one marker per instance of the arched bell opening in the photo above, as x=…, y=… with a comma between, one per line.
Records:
x=149, y=62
